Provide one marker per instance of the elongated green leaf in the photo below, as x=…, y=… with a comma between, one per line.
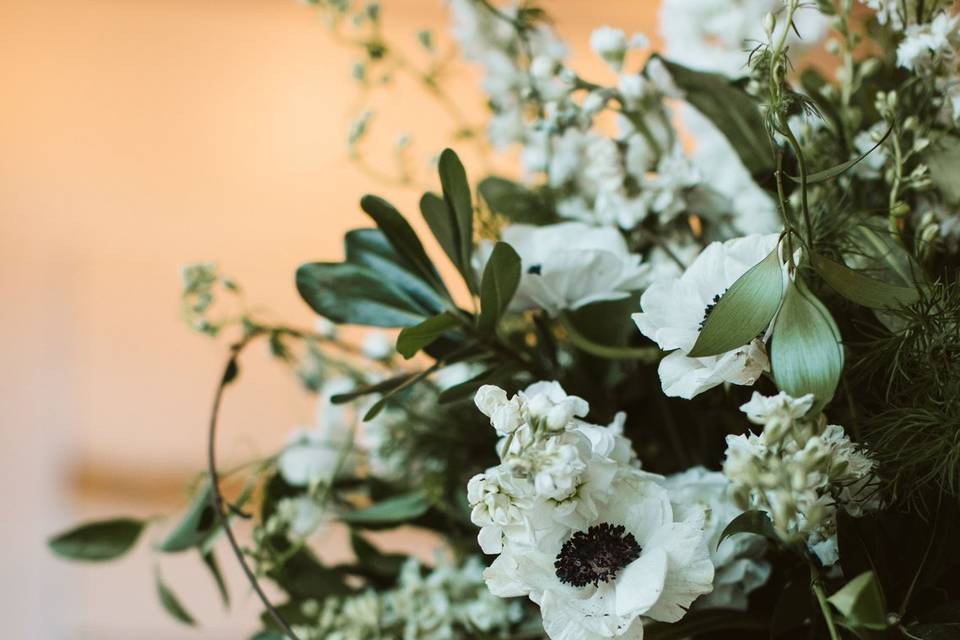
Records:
x=395, y=510
x=402, y=238
x=210, y=561
x=806, y=351
x=441, y=222
x=863, y=289
x=379, y=405
x=379, y=387
x=370, y=248
x=302, y=576
x=731, y=109
x=944, y=162
x=98, y=541
x=744, y=311
x=861, y=603
x=843, y=167
x=383, y=565
x=756, y=522
x=412, y=339
x=514, y=201
x=197, y=524
x=499, y=283
x=469, y=387
x=456, y=192
x=352, y=294
x=171, y=603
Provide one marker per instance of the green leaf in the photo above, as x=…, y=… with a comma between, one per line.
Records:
x=806, y=351
x=441, y=222
x=499, y=283
x=380, y=387
x=944, y=162
x=98, y=541
x=413, y=339
x=197, y=525
x=863, y=289
x=378, y=406
x=744, y=311
x=171, y=604
x=392, y=511
x=456, y=192
x=514, y=201
x=210, y=561
x=605, y=351
x=352, y=294
x=754, y=521
x=402, y=238
x=383, y=565
x=731, y=109
x=370, y=248
x=303, y=577
x=843, y=167
x=861, y=603
x=469, y=387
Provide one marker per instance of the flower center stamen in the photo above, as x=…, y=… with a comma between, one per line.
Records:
x=706, y=312
x=596, y=555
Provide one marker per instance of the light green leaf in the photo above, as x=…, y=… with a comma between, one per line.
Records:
x=756, y=522
x=806, y=350
x=171, y=603
x=197, y=525
x=861, y=603
x=379, y=387
x=210, y=561
x=731, y=109
x=98, y=541
x=843, y=167
x=412, y=339
x=944, y=162
x=379, y=405
x=863, y=289
x=744, y=311
x=402, y=238
x=392, y=511
x=353, y=294
x=456, y=192
x=499, y=283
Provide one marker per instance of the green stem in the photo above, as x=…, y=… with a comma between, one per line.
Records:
x=644, y=354
x=817, y=586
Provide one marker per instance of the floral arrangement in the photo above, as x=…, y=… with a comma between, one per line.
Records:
x=694, y=372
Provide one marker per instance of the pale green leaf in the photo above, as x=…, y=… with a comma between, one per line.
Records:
x=744, y=311
x=391, y=511
x=863, y=289
x=861, y=603
x=413, y=339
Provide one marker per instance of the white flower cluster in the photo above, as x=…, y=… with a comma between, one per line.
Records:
x=900, y=14
x=579, y=528
x=568, y=265
x=932, y=50
x=674, y=309
x=800, y=471
x=440, y=605
x=717, y=35
x=541, y=104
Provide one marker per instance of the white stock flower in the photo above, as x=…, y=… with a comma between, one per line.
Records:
x=740, y=567
x=301, y=515
x=636, y=560
x=776, y=413
x=568, y=265
x=673, y=311
x=610, y=44
x=925, y=46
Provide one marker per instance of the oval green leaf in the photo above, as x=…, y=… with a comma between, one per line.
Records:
x=744, y=311
x=806, y=350
x=412, y=339
x=171, y=603
x=456, y=192
x=392, y=511
x=196, y=526
x=98, y=541
x=861, y=603
x=862, y=289
x=499, y=283
x=353, y=294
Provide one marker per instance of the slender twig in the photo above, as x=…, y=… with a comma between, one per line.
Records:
x=229, y=373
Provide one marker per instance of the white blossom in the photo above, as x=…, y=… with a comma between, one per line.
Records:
x=673, y=311
x=568, y=265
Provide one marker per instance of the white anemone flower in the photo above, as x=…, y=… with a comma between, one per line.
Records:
x=569, y=265
x=738, y=560
x=673, y=311
x=636, y=561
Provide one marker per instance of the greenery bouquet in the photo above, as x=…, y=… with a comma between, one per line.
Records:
x=692, y=371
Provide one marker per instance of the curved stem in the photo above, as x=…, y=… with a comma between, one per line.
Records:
x=229, y=373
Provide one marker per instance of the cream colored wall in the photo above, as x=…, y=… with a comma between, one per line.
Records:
x=138, y=135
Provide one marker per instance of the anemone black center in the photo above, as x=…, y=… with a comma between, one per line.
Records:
x=706, y=312
x=535, y=269
x=596, y=555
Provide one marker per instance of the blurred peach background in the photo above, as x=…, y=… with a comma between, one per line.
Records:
x=137, y=136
